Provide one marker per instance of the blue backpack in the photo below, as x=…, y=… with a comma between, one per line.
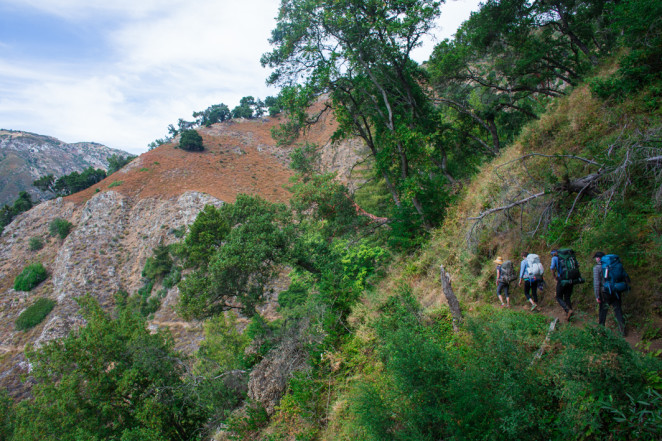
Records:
x=615, y=279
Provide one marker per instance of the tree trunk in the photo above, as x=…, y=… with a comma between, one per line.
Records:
x=451, y=299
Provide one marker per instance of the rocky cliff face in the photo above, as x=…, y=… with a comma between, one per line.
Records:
x=112, y=237
x=25, y=157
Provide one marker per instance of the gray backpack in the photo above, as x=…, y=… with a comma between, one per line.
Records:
x=507, y=273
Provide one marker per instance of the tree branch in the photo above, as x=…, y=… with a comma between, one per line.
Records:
x=506, y=207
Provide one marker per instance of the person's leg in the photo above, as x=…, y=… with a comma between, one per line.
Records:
x=602, y=313
x=618, y=312
x=506, y=292
x=567, y=295
x=499, y=291
x=559, y=296
x=527, y=289
x=534, y=294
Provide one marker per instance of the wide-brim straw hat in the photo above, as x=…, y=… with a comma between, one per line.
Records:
x=498, y=260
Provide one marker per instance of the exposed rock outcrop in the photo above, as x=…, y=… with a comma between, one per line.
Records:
x=268, y=380
x=112, y=237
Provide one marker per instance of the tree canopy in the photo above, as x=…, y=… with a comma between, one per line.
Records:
x=191, y=141
x=359, y=52
x=111, y=379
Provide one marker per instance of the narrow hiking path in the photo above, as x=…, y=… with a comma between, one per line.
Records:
x=547, y=305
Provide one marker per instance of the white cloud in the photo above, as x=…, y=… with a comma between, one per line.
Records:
x=166, y=59
x=84, y=9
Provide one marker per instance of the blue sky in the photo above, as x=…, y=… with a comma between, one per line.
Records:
x=118, y=72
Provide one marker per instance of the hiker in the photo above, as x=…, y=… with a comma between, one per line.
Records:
x=563, y=291
x=530, y=282
x=604, y=297
x=504, y=274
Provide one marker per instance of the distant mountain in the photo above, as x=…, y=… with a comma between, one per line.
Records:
x=26, y=156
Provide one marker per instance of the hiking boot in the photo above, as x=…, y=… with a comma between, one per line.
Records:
x=534, y=306
x=568, y=314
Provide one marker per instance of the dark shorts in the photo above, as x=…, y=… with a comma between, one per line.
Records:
x=503, y=287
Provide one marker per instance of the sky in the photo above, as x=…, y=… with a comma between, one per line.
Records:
x=118, y=72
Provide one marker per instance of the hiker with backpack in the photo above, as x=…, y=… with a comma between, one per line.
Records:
x=563, y=290
x=505, y=273
x=530, y=271
x=610, y=281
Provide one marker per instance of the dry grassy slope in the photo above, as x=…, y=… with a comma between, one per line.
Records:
x=120, y=220
x=570, y=125
x=239, y=157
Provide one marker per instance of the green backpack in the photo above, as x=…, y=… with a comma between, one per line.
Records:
x=569, y=268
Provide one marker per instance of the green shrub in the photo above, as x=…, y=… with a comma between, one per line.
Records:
x=159, y=265
x=60, y=227
x=173, y=277
x=191, y=141
x=35, y=313
x=115, y=184
x=35, y=243
x=31, y=276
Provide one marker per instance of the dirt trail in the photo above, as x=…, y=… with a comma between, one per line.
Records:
x=548, y=306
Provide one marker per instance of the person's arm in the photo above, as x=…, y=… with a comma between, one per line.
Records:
x=498, y=275
x=597, y=282
x=554, y=266
x=521, y=272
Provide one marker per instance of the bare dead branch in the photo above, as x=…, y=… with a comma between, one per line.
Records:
x=541, y=217
x=506, y=207
x=575, y=202
x=528, y=155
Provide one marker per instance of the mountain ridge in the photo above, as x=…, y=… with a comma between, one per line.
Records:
x=26, y=156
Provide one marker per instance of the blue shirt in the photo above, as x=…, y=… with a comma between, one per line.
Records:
x=555, y=265
x=523, y=269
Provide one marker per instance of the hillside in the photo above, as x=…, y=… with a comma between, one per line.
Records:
x=119, y=221
x=208, y=302
x=25, y=157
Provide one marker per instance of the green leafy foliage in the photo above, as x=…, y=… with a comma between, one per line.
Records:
x=34, y=314
x=73, y=182
x=191, y=141
x=116, y=162
x=60, y=227
x=21, y=204
x=639, y=28
x=159, y=265
x=31, y=276
x=257, y=242
x=212, y=115
x=641, y=419
x=35, y=243
x=115, y=184
x=206, y=235
x=433, y=387
x=359, y=53
x=112, y=379
x=223, y=348
x=248, y=108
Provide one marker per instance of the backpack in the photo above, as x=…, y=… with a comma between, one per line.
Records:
x=507, y=273
x=569, y=268
x=535, y=269
x=614, y=278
